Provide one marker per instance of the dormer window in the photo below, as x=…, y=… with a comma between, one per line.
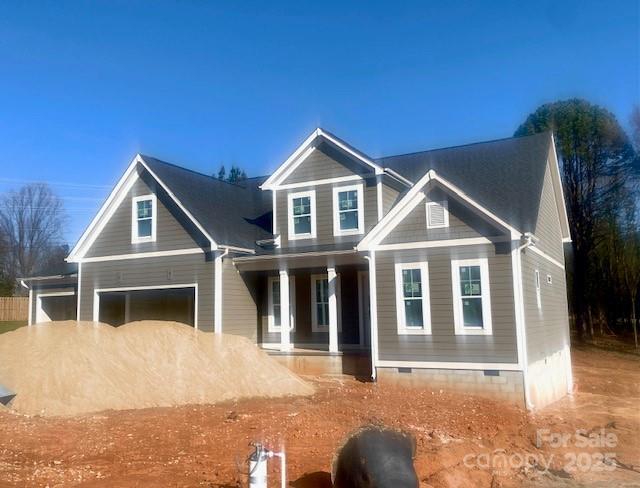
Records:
x=302, y=215
x=348, y=212
x=143, y=219
x=437, y=215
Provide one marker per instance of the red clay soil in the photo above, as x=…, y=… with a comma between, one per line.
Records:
x=208, y=445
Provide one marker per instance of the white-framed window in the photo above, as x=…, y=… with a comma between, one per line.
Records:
x=437, y=214
x=302, y=215
x=537, y=283
x=144, y=218
x=274, y=312
x=348, y=210
x=471, y=296
x=320, y=303
x=412, y=298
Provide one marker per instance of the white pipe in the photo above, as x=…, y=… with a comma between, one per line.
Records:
x=525, y=366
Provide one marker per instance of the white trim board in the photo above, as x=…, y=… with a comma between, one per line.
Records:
x=416, y=195
x=305, y=149
x=469, y=241
x=359, y=189
x=448, y=365
x=402, y=327
x=142, y=255
x=485, y=297
x=97, y=291
x=326, y=181
x=545, y=256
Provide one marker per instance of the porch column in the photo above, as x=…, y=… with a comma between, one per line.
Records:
x=285, y=314
x=333, y=308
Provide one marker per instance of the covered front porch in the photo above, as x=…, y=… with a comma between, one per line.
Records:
x=312, y=305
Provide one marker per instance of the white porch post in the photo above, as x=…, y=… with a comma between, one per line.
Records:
x=333, y=308
x=285, y=311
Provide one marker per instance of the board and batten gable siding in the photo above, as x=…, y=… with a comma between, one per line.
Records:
x=239, y=302
x=156, y=272
x=547, y=228
x=547, y=328
x=174, y=229
x=443, y=345
x=463, y=223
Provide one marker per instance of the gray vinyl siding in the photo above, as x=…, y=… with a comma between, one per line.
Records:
x=324, y=214
x=174, y=230
x=318, y=166
x=161, y=271
x=443, y=345
x=548, y=223
x=463, y=223
x=239, y=309
x=389, y=197
x=547, y=328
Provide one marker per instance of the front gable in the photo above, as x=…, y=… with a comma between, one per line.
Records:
x=461, y=222
x=417, y=195
x=174, y=231
x=321, y=164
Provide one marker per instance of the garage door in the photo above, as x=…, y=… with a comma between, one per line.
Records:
x=51, y=307
x=120, y=307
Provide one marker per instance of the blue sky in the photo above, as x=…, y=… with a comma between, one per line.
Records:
x=84, y=86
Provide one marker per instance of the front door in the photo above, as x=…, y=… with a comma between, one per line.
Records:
x=364, y=312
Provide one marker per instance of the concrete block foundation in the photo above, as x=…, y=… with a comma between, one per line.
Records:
x=506, y=385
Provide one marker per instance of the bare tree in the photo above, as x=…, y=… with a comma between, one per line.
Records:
x=32, y=221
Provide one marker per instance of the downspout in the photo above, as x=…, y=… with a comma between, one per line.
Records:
x=518, y=288
x=373, y=313
x=217, y=291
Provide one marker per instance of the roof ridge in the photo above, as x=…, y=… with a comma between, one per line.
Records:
x=463, y=145
x=211, y=177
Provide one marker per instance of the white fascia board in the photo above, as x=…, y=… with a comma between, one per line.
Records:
x=303, y=151
x=276, y=176
x=557, y=182
x=98, y=221
x=141, y=255
x=413, y=197
x=214, y=246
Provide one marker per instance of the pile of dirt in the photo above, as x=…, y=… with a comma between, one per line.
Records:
x=69, y=368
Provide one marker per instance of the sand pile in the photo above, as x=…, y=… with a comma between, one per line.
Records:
x=68, y=368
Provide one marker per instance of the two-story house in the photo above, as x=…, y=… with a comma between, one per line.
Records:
x=443, y=266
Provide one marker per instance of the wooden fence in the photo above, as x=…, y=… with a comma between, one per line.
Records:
x=14, y=308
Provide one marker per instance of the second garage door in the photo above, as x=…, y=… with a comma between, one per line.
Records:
x=175, y=304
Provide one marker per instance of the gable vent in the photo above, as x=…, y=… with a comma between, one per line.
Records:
x=437, y=215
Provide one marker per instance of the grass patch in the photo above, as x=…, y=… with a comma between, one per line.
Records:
x=10, y=325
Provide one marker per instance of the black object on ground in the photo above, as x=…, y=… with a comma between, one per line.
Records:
x=6, y=395
x=375, y=457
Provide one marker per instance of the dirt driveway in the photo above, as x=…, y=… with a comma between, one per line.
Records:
x=461, y=440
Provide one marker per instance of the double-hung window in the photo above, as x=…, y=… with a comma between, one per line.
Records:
x=471, y=296
x=143, y=219
x=320, y=303
x=348, y=212
x=275, y=307
x=302, y=219
x=412, y=298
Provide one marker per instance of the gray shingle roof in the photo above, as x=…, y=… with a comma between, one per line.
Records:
x=233, y=214
x=505, y=176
